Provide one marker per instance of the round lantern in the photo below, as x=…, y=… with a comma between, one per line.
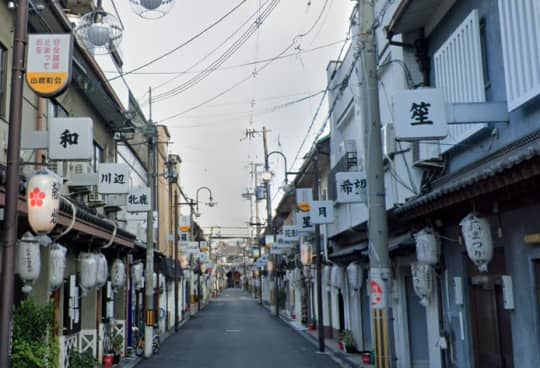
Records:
x=57, y=266
x=422, y=277
x=337, y=278
x=118, y=274
x=102, y=270
x=428, y=247
x=28, y=264
x=354, y=274
x=89, y=269
x=137, y=275
x=43, y=201
x=478, y=240
x=306, y=254
x=327, y=277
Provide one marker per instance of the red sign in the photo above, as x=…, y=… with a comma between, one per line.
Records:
x=376, y=293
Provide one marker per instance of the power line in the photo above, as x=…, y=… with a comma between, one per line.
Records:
x=183, y=43
x=222, y=59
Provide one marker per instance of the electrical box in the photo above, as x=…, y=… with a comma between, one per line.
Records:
x=388, y=139
x=508, y=292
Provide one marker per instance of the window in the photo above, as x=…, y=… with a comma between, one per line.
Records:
x=483, y=45
x=56, y=110
x=97, y=156
x=3, y=79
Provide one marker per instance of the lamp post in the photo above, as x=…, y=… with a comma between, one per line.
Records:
x=210, y=203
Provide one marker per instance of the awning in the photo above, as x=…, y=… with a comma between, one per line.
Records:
x=510, y=165
x=167, y=268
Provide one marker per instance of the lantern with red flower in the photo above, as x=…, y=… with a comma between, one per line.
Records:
x=43, y=201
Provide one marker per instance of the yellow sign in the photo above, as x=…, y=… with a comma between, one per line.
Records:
x=204, y=249
x=185, y=229
x=304, y=206
x=48, y=66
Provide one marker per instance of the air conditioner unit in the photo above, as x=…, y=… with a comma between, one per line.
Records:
x=426, y=153
x=78, y=7
x=77, y=177
x=388, y=140
x=95, y=200
x=114, y=202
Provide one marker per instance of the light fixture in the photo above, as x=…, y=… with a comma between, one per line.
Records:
x=270, y=266
x=118, y=274
x=43, y=201
x=28, y=265
x=306, y=254
x=57, y=266
x=478, y=240
x=266, y=176
x=151, y=9
x=101, y=32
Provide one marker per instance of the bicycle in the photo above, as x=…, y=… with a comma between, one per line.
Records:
x=139, y=348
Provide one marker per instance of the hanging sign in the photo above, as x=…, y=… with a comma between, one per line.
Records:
x=304, y=196
x=428, y=246
x=139, y=200
x=420, y=114
x=185, y=224
x=70, y=139
x=48, y=65
x=322, y=212
x=422, y=277
x=351, y=187
x=303, y=223
x=269, y=241
x=478, y=240
x=113, y=178
x=290, y=234
x=377, y=294
x=277, y=251
x=43, y=201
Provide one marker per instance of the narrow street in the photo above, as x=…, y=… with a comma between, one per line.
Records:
x=234, y=331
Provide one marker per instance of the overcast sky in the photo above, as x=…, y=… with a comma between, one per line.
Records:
x=208, y=138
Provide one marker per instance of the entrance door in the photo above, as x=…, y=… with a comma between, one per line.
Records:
x=491, y=326
x=417, y=325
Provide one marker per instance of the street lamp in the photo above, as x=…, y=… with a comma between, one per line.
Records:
x=101, y=32
x=210, y=203
x=151, y=9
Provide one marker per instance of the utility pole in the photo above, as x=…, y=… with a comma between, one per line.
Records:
x=270, y=228
x=151, y=135
x=9, y=230
x=318, y=252
x=175, y=246
x=258, y=226
x=379, y=258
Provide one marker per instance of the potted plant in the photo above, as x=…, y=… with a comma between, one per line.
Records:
x=117, y=346
x=108, y=355
x=347, y=341
x=313, y=324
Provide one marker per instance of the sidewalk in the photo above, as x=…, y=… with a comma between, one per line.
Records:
x=353, y=360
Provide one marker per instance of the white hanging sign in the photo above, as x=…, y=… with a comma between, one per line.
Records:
x=304, y=196
x=422, y=277
x=420, y=114
x=290, y=234
x=303, y=223
x=351, y=187
x=185, y=224
x=118, y=274
x=70, y=139
x=28, y=264
x=113, y=178
x=139, y=200
x=428, y=246
x=478, y=240
x=322, y=212
x=43, y=201
x=57, y=266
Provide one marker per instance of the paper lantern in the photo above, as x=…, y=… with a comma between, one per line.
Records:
x=337, y=277
x=28, y=264
x=43, y=201
x=88, y=268
x=118, y=274
x=57, y=266
x=478, y=240
x=327, y=277
x=355, y=275
x=102, y=270
x=428, y=247
x=422, y=276
x=137, y=275
x=306, y=254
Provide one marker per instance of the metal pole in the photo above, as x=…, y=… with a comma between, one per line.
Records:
x=318, y=253
x=9, y=231
x=175, y=246
x=379, y=258
x=149, y=274
x=270, y=228
x=257, y=219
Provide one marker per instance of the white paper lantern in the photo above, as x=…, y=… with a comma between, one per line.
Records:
x=137, y=275
x=428, y=247
x=355, y=275
x=327, y=277
x=43, y=201
x=306, y=254
x=118, y=274
x=478, y=240
x=88, y=268
x=422, y=276
x=102, y=270
x=28, y=264
x=337, y=277
x=57, y=266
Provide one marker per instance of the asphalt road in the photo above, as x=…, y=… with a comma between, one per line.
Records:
x=234, y=331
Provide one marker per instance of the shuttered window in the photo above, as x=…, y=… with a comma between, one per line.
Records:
x=459, y=71
x=520, y=34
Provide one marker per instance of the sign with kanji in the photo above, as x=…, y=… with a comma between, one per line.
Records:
x=304, y=196
x=420, y=114
x=303, y=223
x=139, y=200
x=290, y=234
x=70, y=139
x=322, y=212
x=48, y=65
x=185, y=224
x=113, y=178
x=351, y=187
